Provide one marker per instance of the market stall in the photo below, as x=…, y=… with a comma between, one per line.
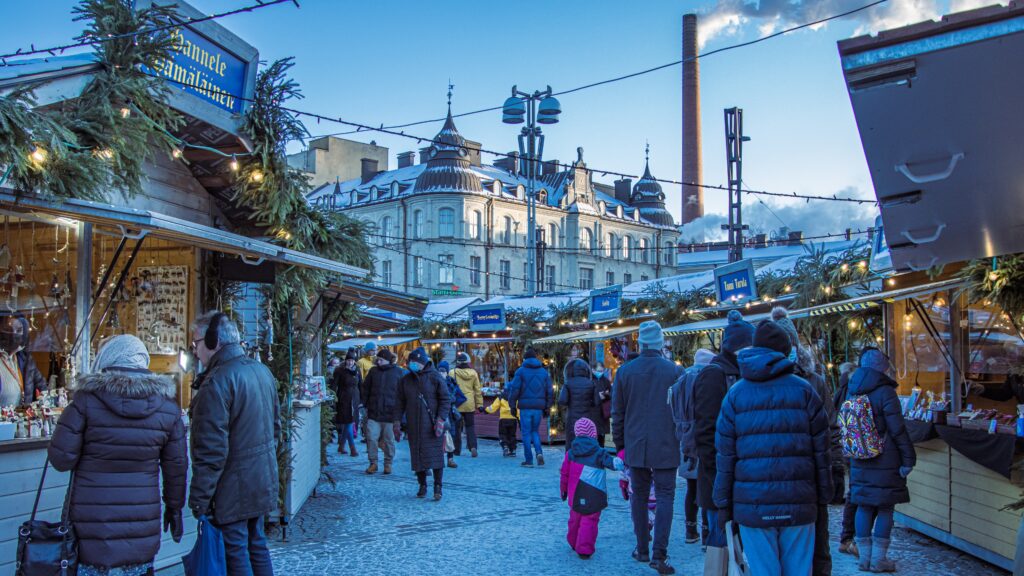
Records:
x=400, y=344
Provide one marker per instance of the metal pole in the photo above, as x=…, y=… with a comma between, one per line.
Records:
x=531, y=201
x=734, y=139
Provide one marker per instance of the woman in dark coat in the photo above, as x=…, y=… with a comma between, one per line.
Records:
x=878, y=484
x=603, y=389
x=120, y=432
x=423, y=399
x=347, y=380
x=578, y=396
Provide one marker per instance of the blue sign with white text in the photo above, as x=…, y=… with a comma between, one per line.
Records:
x=605, y=304
x=207, y=70
x=487, y=318
x=735, y=282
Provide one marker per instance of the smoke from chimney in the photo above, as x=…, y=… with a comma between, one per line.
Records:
x=693, y=196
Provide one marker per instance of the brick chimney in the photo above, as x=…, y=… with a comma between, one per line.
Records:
x=623, y=189
x=406, y=159
x=369, y=169
x=693, y=196
x=508, y=163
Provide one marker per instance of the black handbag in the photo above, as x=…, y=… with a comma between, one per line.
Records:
x=47, y=548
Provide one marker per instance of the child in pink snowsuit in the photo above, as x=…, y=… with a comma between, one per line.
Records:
x=583, y=486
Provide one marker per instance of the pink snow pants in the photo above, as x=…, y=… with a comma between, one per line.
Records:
x=582, y=534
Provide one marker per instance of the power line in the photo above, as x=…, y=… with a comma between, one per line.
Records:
x=642, y=72
x=90, y=41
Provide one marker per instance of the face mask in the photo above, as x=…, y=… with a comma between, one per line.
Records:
x=415, y=366
x=792, y=355
x=598, y=373
x=10, y=342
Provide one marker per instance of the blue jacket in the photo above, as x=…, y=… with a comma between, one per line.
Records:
x=877, y=482
x=642, y=422
x=531, y=387
x=773, y=445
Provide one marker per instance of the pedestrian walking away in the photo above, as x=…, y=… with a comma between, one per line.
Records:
x=530, y=397
x=456, y=397
x=846, y=542
x=122, y=432
x=642, y=425
x=380, y=395
x=579, y=396
x=879, y=483
x=469, y=383
x=423, y=400
x=584, y=486
x=681, y=400
x=773, y=471
x=347, y=381
x=234, y=438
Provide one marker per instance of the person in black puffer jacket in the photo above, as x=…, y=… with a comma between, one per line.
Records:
x=380, y=396
x=579, y=397
x=346, y=383
x=122, y=430
x=423, y=399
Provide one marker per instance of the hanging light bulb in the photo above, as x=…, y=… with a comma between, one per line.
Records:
x=176, y=153
x=993, y=276
x=256, y=176
x=38, y=155
x=234, y=163
x=787, y=288
x=844, y=267
x=891, y=281
x=126, y=112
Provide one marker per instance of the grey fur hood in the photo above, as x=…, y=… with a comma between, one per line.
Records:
x=129, y=394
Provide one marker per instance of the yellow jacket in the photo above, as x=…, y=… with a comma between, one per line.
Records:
x=506, y=410
x=365, y=363
x=469, y=382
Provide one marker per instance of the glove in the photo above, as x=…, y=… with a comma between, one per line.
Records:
x=397, y=429
x=905, y=471
x=724, y=517
x=173, y=522
x=439, y=428
x=625, y=489
x=619, y=464
x=480, y=409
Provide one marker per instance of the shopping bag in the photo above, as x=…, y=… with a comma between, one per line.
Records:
x=207, y=556
x=47, y=548
x=449, y=443
x=737, y=559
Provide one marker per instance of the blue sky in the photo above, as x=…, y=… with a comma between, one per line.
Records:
x=390, y=62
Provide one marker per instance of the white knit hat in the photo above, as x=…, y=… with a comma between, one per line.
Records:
x=124, y=351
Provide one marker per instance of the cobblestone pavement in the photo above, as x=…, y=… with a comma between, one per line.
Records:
x=499, y=518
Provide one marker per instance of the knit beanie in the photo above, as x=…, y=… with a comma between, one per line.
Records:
x=369, y=347
x=419, y=355
x=874, y=359
x=443, y=366
x=530, y=353
x=585, y=427
x=462, y=358
x=703, y=357
x=651, y=336
x=350, y=355
x=124, y=351
x=781, y=317
x=388, y=355
x=738, y=334
x=772, y=336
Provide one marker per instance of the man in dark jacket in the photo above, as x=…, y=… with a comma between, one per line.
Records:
x=642, y=425
x=235, y=432
x=579, y=396
x=424, y=400
x=380, y=396
x=773, y=457
x=347, y=381
x=531, y=395
x=709, y=390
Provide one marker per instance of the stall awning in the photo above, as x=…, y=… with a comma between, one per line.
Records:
x=587, y=335
x=716, y=325
x=497, y=339
x=378, y=340
x=131, y=220
x=876, y=299
x=376, y=297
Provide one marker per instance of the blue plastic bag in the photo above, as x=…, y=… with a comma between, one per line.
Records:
x=207, y=556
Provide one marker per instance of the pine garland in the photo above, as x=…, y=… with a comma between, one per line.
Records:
x=1001, y=281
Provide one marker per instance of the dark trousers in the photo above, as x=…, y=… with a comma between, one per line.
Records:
x=245, y=548
x=507, y=433
x=438, y=473
x=664, y=480
x=822, y=565
x=468, y=424
x=849, y=513
x=690, y=503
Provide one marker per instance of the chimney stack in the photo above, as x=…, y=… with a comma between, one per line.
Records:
x=796, y=238
x=623, y=188
x=509, y=163
x=369, y=169
x=406, y=159
x=693, y=196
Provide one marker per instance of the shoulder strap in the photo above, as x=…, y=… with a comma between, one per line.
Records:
x=39, y=491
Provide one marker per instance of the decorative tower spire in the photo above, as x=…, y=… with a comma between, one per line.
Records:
x=450, y=88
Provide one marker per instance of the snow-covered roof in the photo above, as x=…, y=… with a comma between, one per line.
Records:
x=444, y=309
x=542, y=303
x=19, y=68
x=716, y=257
x=680, y=283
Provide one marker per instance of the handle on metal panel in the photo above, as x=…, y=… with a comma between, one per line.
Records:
x=925, y=240
x=915, y=268
x=132, y=236
x=925, y=178
x=250, y=260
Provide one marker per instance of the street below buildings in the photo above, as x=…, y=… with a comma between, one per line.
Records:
x=499, y=518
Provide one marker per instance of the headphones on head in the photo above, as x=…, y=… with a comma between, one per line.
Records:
x=212, y=336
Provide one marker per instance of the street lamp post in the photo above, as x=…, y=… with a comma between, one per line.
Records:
x=540, y=107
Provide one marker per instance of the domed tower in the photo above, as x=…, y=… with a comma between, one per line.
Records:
x=448, y=166
x=648, y=197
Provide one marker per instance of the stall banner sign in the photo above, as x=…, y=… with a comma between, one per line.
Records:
x=736, y=282
x=605, y=304
x=599, y=353
x=205, y=69
x=487, y=317
x=881, y=259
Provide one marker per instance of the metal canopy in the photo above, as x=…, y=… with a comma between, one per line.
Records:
x=378, y=340
x=133, y=221
x=873, y=300
x=587, y=335
x=376, y=297
x=935, y=106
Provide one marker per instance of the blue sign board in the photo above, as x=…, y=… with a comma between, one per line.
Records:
x=205, y=69
x=735, y=282
x=487, y=317
x=605, y=304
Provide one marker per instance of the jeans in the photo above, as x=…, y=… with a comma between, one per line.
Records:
x=716, y=535
x=529, y=422
x=507, y=433
x=664, y=480
x=785, y=551
x=880, y=518
x=380, y=434
x=245, y=548
x=822, y=554
x=345, y=432
x=690, y=503
x=467, y=423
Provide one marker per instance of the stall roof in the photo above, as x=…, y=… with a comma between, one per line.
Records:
x=131, y=220
x=378, y=340
x=470, y=340
x=444, y=309
x=587, y=335
x=716, y=325
x=376, y=297
x=872, y=300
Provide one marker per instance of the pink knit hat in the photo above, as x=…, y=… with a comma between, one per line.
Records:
x=585, y=427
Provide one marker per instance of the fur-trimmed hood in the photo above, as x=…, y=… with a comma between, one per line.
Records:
x=129, y=394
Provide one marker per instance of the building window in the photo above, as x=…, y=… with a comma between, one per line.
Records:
x=668, y=253
x=609, y=278
x=549, y=278
x=417, y=224
x=385, y=228
x=474, y=273
x=644, y=249
x=476, y=220
x=627, y=248
x=610, y=249
x=507, y=232
x=385, y=273
x=419, y=271
x=505, y=270
x=446, y=221
x=586, y=278
x=552, y=239
x=446, y=271
x=627, y=278
x=644, y=277
x=587, y=240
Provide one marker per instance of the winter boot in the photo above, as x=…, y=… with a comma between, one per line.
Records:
x=372, y=469
x=472, y=452
x=848, y=547
x=387, y=467
x=879, y=556
x=691, y=533
x=352, y=451
x=864, y=547
x=422, y=492
x=662, y=566
x=451, y=463
x=341, y=448
x=437, y=491
x=540, y=459
x=641, y=555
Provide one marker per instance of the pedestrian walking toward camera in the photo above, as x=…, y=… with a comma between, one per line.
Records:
x=423, y=399
x=121, y=432
x=530, y=396
x=642, y=425
x=603, y=388
x=681, y=400
x=773, y=458
x=380, y=396
x=346, y=383
x=881, y=455
x=454, y=416
x=469, y=383
x=235, y=432
x=579, y=397
x=584, y=486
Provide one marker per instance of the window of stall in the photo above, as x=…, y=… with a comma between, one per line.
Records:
x=922, y=347
x=995, y=355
